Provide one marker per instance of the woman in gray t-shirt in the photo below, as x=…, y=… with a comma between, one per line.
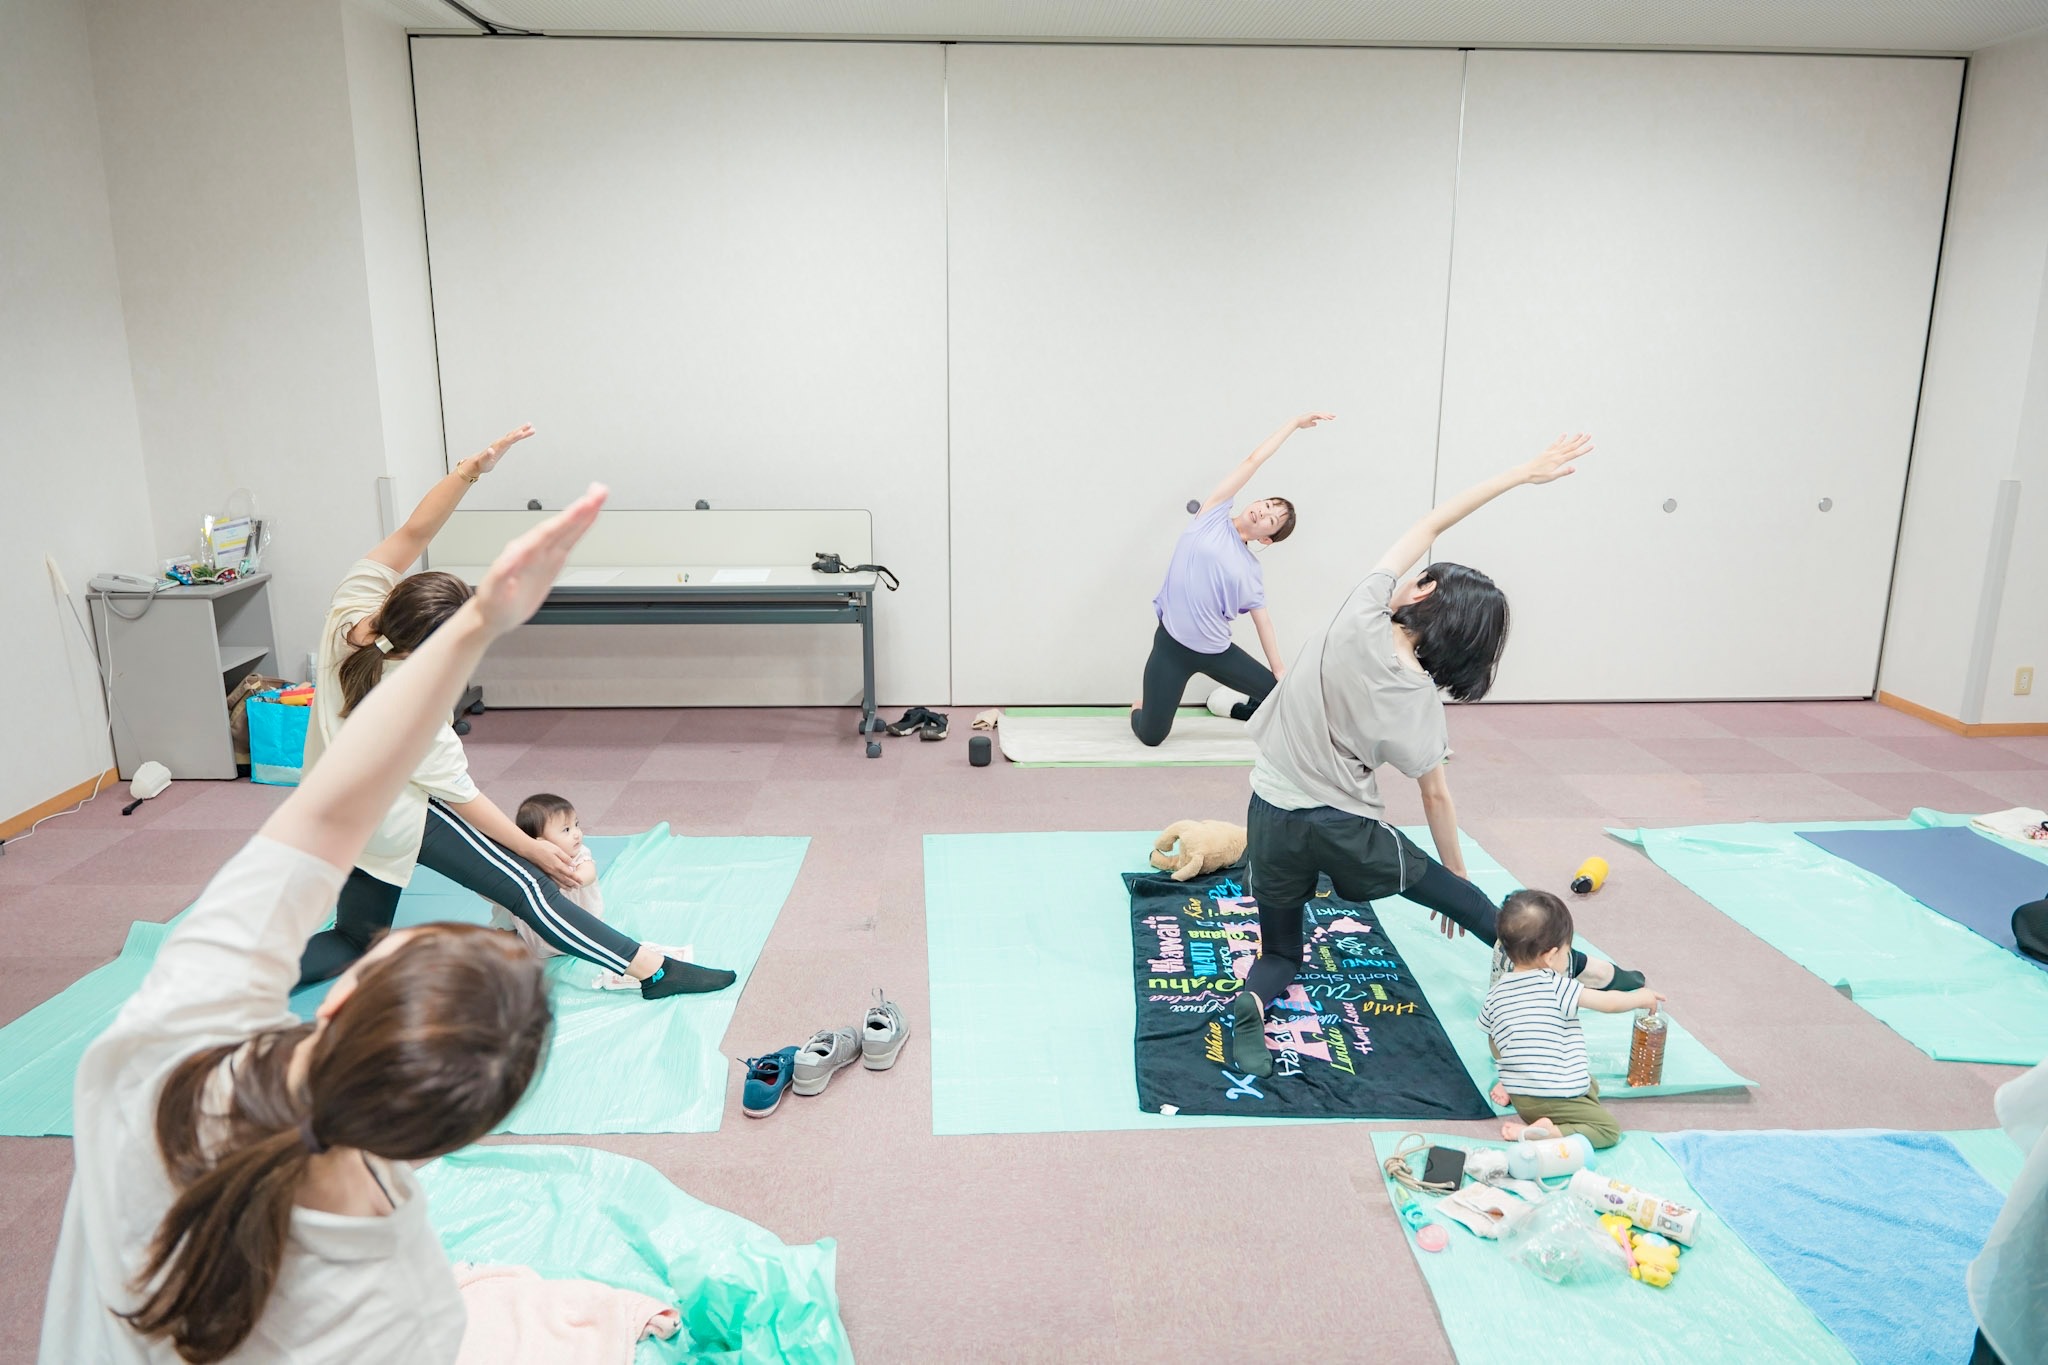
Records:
x=1366, y=692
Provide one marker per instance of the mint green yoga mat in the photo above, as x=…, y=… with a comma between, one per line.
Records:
x=40, y=1051
x=1950, y=992
x=1100, y=737
x=718, y=895
x=1033, y=1006
x=579, y=1213
x=1724, y=1303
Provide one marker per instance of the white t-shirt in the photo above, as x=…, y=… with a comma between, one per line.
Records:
x=350, y=1289
x=1348, y=705
x=443, y=772
x=1533, y=1018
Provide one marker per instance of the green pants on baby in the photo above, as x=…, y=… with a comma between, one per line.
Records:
x=1572, y=1114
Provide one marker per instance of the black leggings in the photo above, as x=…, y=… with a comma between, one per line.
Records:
x=1366, y=860
x=452, y=847
x=1166, y=678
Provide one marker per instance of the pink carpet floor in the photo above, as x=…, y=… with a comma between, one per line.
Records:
x=1096, y=1246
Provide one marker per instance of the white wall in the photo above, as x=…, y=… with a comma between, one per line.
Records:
x=1983, y=409
x=1721, y=266
x=1157, y=256
x=701, y=270
x=72, y=454
x=395, y=247
x=238, y=223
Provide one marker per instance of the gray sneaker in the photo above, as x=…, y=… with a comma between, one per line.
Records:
x=828, y=1051
x=882, y=1034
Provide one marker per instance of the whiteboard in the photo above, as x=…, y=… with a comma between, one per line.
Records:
x=1722, y=267
x=702, y=270
x=1156, y=256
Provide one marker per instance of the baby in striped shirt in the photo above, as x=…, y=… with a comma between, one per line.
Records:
x=1531, y=1017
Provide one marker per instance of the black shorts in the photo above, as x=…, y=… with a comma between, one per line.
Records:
x=1366, y=860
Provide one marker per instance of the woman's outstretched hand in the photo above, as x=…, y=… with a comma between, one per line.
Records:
x=1309, y=419
x=1556, y=460
x=518, y=581
x=487, y=459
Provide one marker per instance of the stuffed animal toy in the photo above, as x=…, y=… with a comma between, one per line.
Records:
x=1205, y=846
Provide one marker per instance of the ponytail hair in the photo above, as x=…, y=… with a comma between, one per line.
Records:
x=414, y=610
x=437, y=1042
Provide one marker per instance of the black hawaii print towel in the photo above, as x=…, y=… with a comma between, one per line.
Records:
x=1353, y=1037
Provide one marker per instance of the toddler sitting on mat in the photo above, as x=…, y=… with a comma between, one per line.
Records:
x=1531, y=1018
x=552, y=818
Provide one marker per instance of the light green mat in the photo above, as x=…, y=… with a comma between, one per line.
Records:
x=719, y=895
x=1948, y=991
x=1207, y=741
x=40, y=1051
x=1997, y=1157
x=579, y=1213
x=1033, y=1011
x=1495, y=1311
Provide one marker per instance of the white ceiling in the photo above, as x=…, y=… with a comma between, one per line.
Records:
x=1804, y=25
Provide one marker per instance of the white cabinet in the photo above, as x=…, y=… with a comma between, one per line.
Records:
x=173, y=659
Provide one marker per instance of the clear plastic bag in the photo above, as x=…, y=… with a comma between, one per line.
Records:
x=1559, y=1240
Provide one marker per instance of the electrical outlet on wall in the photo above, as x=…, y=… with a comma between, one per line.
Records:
x=2023, y=682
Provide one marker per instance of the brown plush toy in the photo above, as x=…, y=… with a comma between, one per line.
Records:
x=1205, y=846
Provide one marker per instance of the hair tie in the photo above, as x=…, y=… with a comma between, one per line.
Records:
x=384, y=644
x=313, y=1145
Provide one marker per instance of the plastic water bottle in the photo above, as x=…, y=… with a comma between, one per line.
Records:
x=1535, y=1160
x=1646, y=1049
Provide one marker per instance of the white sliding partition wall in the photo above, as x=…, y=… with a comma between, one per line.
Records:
x=702, y=270
x=1722, y=267
x=1157, y=255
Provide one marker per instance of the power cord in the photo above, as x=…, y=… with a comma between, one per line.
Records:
x=105, y=670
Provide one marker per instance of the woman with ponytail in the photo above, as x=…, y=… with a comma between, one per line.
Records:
x=240, y=1187
x=439, y=819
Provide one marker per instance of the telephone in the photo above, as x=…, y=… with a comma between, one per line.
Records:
x=124, y=583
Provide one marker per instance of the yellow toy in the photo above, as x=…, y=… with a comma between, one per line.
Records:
x=1651, y=1258
x=1656, y=1258
x=1205, y=846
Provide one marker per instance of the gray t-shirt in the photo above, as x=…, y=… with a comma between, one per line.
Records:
x=1347, y=706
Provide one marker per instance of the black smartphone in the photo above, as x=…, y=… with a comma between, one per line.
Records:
x=1445, y=1166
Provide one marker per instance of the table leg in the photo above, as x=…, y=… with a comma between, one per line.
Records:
x=869, y=724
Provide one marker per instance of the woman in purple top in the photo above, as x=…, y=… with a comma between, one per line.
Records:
x=1214, y=579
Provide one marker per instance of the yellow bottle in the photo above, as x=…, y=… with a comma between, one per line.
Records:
x=1591, y=874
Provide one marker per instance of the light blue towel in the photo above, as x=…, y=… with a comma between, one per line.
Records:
x=1872, y=1230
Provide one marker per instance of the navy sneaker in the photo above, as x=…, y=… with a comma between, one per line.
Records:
x=767, y=1078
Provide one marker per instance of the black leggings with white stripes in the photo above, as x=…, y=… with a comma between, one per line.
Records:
x=453, y=848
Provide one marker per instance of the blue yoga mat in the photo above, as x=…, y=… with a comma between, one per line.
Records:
x=1873, y=1231
x=1953, y=871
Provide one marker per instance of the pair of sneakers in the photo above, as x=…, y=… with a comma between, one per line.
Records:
x=809, y=1069
x=921, y=721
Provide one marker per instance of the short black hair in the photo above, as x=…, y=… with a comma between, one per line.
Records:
x=1459, y=629
x=536, y=810
x=1286, y=526
x=1531, y=923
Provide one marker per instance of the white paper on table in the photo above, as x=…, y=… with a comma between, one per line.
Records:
x=741, y=576
x=587, y=578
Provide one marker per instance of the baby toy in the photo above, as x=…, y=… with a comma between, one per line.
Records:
x=1592, y=874
x=1430, y=1235
x=1542, y=1158
x=1649, y=1257
x=1205, y=846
